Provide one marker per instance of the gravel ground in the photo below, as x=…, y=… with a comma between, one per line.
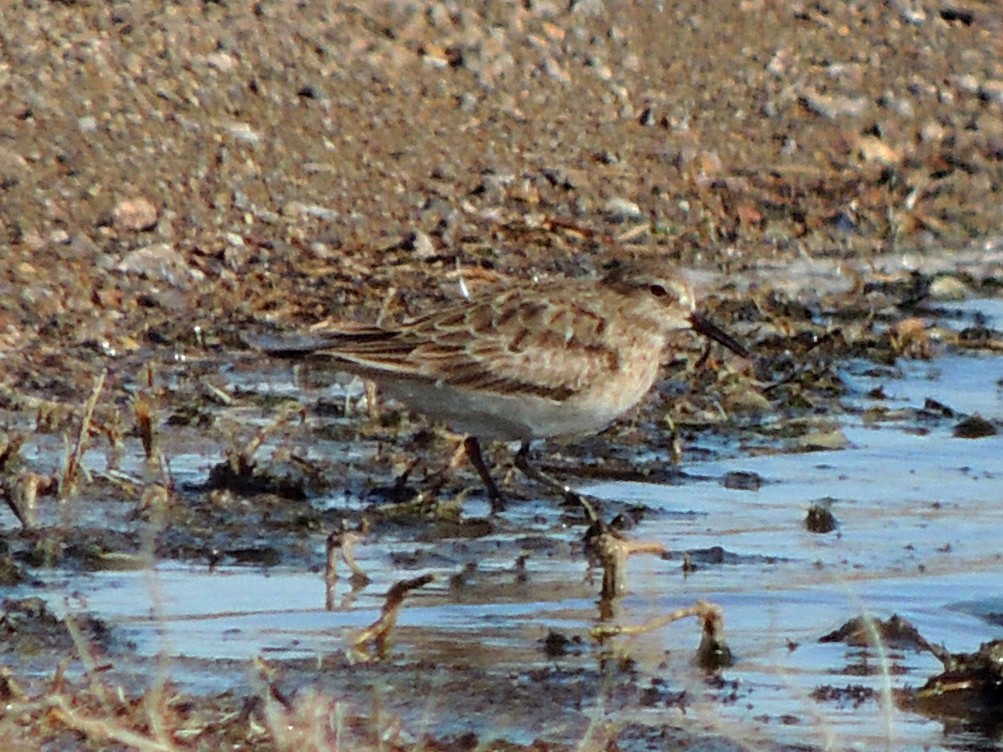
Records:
x=210, y=164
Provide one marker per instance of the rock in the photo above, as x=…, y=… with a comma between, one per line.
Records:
x=12, y=166
x=33, y=240
x=134, y=215
x=621, y=210
x=742, y=480
x=820, y=518
x=221, y=61
x=834, y=107
x=911, y=13
x=310, y=211
x=992, y=91
x=593, y=8
x=420, y=244
x=974, y=427
x=699, y=162
x=911, y=338
x=162, y=263
x=746, y=401
x=821, y=441
x=243, y=133
x=876, y=151
x=932, y=132
x=948, y=287
x=967, y=83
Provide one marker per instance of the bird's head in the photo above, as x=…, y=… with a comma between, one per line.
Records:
x=666, y=290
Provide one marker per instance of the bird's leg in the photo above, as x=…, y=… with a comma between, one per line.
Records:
x=473, y=449
x=522, y=462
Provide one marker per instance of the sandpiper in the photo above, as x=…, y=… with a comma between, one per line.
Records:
x=561, y=358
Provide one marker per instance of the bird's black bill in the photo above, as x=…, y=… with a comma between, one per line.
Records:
x=710, y=330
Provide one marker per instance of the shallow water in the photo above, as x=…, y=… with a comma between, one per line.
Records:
x=920, y=530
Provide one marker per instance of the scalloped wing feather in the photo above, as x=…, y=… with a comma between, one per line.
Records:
x=540, y=346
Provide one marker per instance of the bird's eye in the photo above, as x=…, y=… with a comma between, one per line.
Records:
x=658, y=291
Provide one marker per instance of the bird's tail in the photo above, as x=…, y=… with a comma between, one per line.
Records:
x=302, y=345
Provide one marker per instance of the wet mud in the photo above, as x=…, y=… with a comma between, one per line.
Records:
x=204, y=549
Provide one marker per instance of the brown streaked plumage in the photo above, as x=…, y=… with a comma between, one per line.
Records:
x=560, y=358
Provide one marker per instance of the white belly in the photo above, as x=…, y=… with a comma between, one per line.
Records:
x=519, y=417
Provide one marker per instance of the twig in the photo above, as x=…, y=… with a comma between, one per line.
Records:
x=613, y=550
x=20, y=494
x=73, y=459
x=379, y=631
x=242, y=460
x=102, y=729
x=713, y=652
x=341, y=542
x=142, y=408
x=87, y=659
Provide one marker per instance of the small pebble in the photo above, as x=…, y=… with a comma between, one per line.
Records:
x=420, y=244
x=742, y=480
x=820, y=519
x=244, y=134
x=948, y=287
x=621, y=210
x=834, y=108
x=134, y=215
x=974, y=427
x=818, y=441
x=161, y=262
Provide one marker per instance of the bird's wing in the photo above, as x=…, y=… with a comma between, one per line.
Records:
x=551, y=348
